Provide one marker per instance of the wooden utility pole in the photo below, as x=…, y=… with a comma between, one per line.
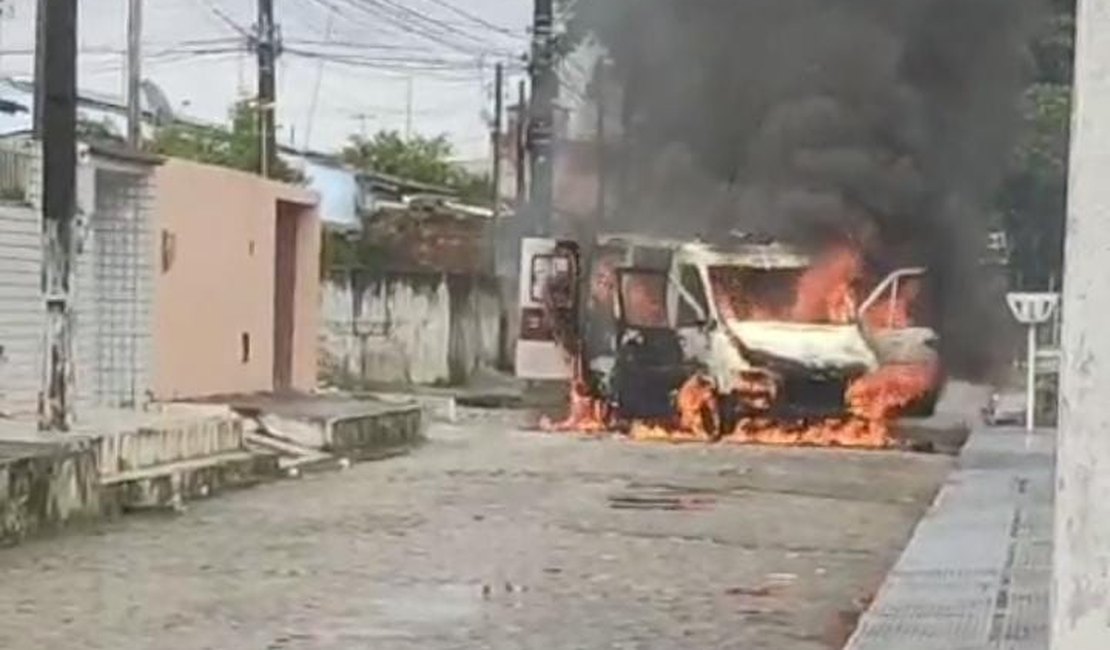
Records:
x=267, y=50
x=541, y=122
x=134, y=73
x=498, y=112
x=58, y=90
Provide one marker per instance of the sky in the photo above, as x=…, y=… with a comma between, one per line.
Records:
x=349, y=66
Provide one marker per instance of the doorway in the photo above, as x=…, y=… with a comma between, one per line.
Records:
x=285, y=289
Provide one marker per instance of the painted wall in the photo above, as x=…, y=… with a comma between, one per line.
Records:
x=22, y=317
x=409, y=329
x=215, y=282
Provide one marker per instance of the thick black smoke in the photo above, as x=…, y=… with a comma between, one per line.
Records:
x=883, y=122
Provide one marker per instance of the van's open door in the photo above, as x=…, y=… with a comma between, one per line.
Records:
x=548, y=305
x=887, y=321
x=650, y=363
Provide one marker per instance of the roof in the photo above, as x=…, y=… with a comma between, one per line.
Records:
x=762, y=255
x=124, y=153
x=399, y=184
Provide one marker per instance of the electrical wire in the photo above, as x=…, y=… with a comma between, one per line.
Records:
x=479, y=20
x=225, y=19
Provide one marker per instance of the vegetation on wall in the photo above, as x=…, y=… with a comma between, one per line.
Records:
x=236, y=146
x=418, y=158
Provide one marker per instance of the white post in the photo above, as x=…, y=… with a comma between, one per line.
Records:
x=1081, y=562
x=1031, y=378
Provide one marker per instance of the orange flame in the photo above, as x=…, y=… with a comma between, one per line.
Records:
x=848, y=432
x=826, y=292
x=586, y=414
x=698, y=410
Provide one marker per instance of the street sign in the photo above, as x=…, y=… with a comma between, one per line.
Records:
x=1033, y=308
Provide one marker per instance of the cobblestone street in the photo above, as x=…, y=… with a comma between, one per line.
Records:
x=492, y=537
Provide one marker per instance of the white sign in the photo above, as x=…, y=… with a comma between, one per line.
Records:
x=1033, y=308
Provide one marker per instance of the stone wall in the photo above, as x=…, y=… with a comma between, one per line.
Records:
x=408, y=328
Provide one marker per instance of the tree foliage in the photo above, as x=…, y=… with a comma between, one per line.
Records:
x=418, y=158
x=1033, y=198
x=236, y=146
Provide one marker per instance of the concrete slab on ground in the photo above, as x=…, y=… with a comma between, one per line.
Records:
x=349, y=426
x=976, y=574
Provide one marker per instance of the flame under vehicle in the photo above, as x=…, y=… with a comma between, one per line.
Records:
x=743, y=332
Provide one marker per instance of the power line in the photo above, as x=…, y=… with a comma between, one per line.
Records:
x=224, y=18
x=432, y=22
x=478, y=19
x=410, y=22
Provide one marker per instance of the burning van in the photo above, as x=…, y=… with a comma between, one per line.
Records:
x=746, y=340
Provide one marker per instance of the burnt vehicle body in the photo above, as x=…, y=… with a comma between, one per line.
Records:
x=654, y=313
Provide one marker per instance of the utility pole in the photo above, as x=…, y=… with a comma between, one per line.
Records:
x=1081, y=543
x=498, y=111
x=134, y=73
x=40, y=73
x=602, y=108
x=267, y=49
x=58, y=89
x=520, y=147
x=541, y=122
x=362, y=117
x=408, y=109
x=4, y=13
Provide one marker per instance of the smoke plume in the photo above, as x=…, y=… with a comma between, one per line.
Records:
x=882, y=122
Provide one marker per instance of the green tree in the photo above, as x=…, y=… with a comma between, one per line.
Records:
x=236, y=146
x=418, y=158
x=1033, y=197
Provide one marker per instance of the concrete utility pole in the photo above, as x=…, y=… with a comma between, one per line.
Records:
x=541, y=122
x=57, y=86
x=267, y=49
x=495, y=135
x=1081, y=563
x=520, y=146
x=408, y=109
x=601, y=100
x=134, y=73
x=39, y=72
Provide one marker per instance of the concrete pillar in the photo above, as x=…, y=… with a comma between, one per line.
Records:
x=1081, y=571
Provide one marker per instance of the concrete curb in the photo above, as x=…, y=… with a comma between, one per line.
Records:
x=46, y=487
x=376, y=436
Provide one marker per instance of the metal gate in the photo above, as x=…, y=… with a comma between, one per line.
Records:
x=117, y=318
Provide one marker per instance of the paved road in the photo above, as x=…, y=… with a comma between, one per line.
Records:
x=491, y=537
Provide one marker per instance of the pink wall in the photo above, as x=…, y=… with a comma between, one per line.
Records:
x=219, y=225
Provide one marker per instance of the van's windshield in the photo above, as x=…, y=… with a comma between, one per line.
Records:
x=743, y=293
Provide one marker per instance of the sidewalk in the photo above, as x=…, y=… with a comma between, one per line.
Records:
x=116, y=460
x=976, y=573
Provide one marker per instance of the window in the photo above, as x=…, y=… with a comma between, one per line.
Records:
x=644, y=299
x=245, y=347
x=552, y=277
x=692, y=305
